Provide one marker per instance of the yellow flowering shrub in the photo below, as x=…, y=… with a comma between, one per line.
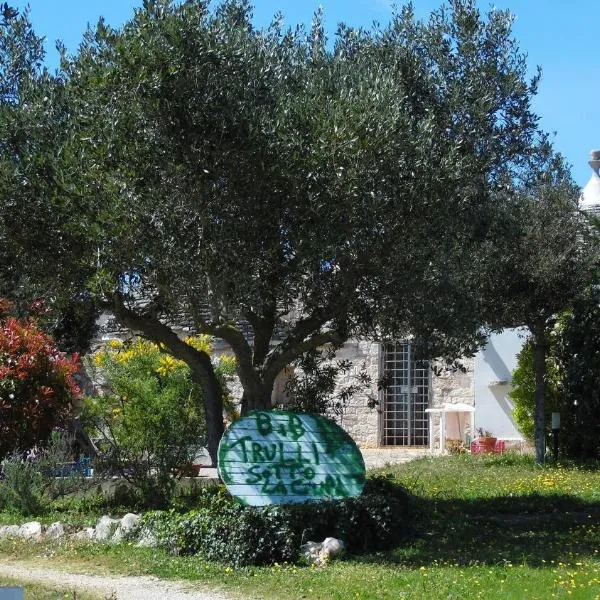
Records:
x=152, y=420
x=202, y=343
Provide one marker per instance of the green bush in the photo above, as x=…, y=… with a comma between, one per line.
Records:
x=579, y=355
x=572, y=380
x=523, y=388
x=150, y=423
x=223, y=530
x=30, y=486
x=22, y=487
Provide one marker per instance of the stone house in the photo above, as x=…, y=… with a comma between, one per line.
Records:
x=401, y=415
x=420, y=408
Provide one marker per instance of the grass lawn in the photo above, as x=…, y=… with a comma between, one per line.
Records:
x=492, y=527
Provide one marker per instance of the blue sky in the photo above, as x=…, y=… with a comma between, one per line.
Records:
x=559, y=36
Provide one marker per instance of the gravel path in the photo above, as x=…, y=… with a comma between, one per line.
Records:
x=391, y=455
x=123, y=588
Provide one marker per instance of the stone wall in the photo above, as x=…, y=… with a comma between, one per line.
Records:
x=454, y=386
x=360, y=421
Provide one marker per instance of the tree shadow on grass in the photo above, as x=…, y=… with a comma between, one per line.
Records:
x=532, y=529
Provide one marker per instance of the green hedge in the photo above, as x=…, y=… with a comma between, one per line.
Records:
x=223, y=530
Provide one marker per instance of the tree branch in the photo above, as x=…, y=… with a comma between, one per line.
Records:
x=263, y=327
x=156, y=331
x=201, y=368
x=280, y=358
x=240, y=346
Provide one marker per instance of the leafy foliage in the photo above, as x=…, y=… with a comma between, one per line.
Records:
x=579, y=355
x=572, y=372
x=150, y=420
x=225, y=531
x=542, y=259
x=21, y=486
x=30, y=484
x=523, y=388
x=313, y=384
x=265, y=181
x=37, y=385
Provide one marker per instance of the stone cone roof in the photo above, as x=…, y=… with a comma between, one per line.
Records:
x=589, y=200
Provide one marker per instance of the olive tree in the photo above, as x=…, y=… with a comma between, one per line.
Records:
x=282, y=191
x=543, y=255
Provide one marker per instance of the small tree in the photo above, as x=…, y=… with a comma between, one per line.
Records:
x=572, y=380
x=37, y=387
x=541, y=257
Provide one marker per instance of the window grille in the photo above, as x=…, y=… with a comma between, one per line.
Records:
x=405, y=398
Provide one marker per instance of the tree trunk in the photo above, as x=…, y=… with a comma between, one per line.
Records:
x=203, y=374
x=198, y=361
x=259, y=400
x=87, y=447
x=539, y=363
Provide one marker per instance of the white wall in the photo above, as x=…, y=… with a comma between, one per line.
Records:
x=493, y=374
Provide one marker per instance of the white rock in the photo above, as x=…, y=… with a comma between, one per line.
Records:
x=147, y=539
x=311, y=551
x=55, y=531
x=129, y=523
x=30, y=531
x=9, y=531
x=105, y=528
x=84, y=534
x=331, y=547
x=319, y=553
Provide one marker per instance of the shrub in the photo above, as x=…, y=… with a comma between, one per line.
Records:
x=36, y=384
x=578, y=352
x=313, y=384
x=151, y=421
x=22, y=487
x=31, y=483
x=523, y=388
x=572, y=380
x=223, y=530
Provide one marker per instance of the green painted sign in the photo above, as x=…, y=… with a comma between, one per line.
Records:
x=281, y=457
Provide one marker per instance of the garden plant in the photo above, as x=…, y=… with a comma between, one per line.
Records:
x=148, y=423
x=37, y=383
